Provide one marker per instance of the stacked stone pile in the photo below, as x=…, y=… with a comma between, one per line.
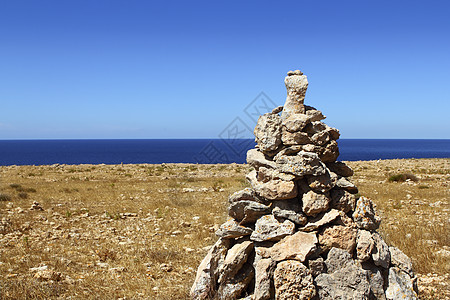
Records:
x=300, y=231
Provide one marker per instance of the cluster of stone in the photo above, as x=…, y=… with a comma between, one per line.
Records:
x=300, y=231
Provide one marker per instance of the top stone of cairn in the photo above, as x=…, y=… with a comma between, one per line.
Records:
x=296, y=85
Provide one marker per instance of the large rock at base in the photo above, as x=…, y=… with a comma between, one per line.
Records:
x=401, y=260
x=275, y=189
x=400, y=285
x=246, y=211
x=344, y=280
x=204, y=286
x=304, y=163
x=314, y=203
x=297, y=247
x=376, y=281
x=263, y=279
x=292, y=280
x=338, y=236
x=268, y=132
x=232, y=229
x=365, y=216
x=234, y=287
x=236, y=257
x=267, y=228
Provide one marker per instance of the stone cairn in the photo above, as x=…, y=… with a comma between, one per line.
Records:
x=301, y=231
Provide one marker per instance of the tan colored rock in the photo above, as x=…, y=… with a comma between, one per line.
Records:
x=314, y=114
x=263, y=279
x=380, y=253
x=314, y=203
x=232, y=229
x=365, y=215
x=342, y=200
x=330, y=152
x=236, y=257
x=322, y=183
x=257, y=159
x=303, y=163
x=296, y=122
x=294, y=138
x=233, y=287
x=297, y=247
x=340, y=168
x=400, y=285
x=267, y=228
x=296, y=86
x=401, y=260
x=292, y=280
x=246, y=211
x=275, y=189
x=268, y=132
x=364, y=245
x=339, y=237
x=321, y=220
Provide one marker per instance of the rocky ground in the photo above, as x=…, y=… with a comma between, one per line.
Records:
x=140, y=231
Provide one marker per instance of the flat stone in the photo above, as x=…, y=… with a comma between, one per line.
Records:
x=263, y=279
x=400, y=285
x=277, y=109
x=265, y=174
x=245, y=194
x=297, y=247
x=365, y=215
x=345, y=184
x=364, y=245
x=339, y=237
x=275, y=189
x=267, y=228
x=296, y=122
x=314, y=203
x=297, y=218
x=340, y=168
x=246, y=211
x=257, y=159
x=236, y=257
x=204, y=286
x=268, y=132
x=232, y=229
x=314, y=114
x=401, y=260
x=380, y=253
x=292, y=280
x=304, y=163
x=320, y=220
x=342, y=200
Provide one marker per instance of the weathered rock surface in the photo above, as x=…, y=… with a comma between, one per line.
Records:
x=338, y=236
x=232, y=288
x=297, y=247
x=296, y=122
x=365, y=215
x=293, y=280
x=401, y=260
x=340, y=168
x=246, y=211
x=342, y=200
x=257, y=159
x=267, y=228
x=304, y=163
x=268, y=132
x=364, y=245
x=380, y=253
x=236, y=257
x=231, y=229
x=263, y=279
x=400, y=285
x=314, y=203
x=296, y=86
x=321, y=220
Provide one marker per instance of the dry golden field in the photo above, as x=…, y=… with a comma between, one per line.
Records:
x=140, y=231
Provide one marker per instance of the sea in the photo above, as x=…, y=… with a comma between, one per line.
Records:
x=205, y=151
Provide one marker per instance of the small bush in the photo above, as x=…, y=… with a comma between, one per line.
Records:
x=5, y=197
x=402, y=177
x=22, y=195
x=15, y=185
x=421, y=187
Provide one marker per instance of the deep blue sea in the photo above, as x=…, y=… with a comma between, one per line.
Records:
x=45, y=152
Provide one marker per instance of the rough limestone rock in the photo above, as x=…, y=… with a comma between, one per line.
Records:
x=268, y=132
x=301, y=231
x=293, y=280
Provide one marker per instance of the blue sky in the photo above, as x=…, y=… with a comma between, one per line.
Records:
x=187, y=69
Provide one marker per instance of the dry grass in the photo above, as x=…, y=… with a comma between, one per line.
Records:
x=140, y=231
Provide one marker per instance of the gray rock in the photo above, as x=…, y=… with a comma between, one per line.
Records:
x=320, y=220
x=246, y=211
x=234, y=287
x=231, y=229
x=304, y=163
x=297, y=218
x=364, y=245
x=376, y=281
x=236, y=257
x=267, y=228
x=400, y=285
x=344, y=278
x=245, y=194
x=292, y=280
x=340, y=168
x=401, y=260
x=204, y=286
x=268, y=132
x=314, y=203
x=380, y=253
x=275, y=189
x=342, y=200
x=338, y=236
x=345, y=184
x=294, y=138
x=263, y=279
x=317, y=266
x=296, y=86
x=297, y=247
x=257, y=159
x=296, y=122
x=264, y=174
x=365, y=215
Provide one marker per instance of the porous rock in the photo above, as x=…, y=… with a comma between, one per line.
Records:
x=365, y=215
x=338, y=236
x=234, y=260
x=364, y=245
x=296, y=86
x=246, y=211
x=268, y=228
x=401, y=260
x=293, y=280
x=263, y=279
x=303, y=163
x=380, y=253
x=232, y=229
x=297, y=247
x=273, y=189
x=342, y=200
x=268, y=132
x=400, y=285
x=314, y=203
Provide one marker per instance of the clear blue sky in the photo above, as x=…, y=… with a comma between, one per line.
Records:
x=186, y=69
